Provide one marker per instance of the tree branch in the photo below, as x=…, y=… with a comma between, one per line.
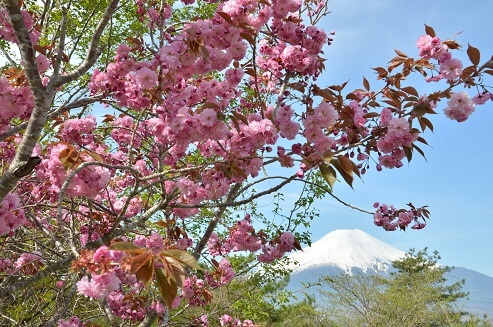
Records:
x=92, y=53
x=217, y=216
x=61, y=109
x=22, y=284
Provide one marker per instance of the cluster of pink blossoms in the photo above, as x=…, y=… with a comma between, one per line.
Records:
x=390, y=218
x=297, y=48
x=127, y=306
x=15, y=102
x=433, y=48
x=108, y=280
x=11, y=216
x=104, y=278
x=99, y=286
x=154, y=242
x=222, y=274
x=87, y=182
x=194, y=291
x=460, y=105
x=71, y=322
x=242, y=237
x=79, y=131
x=323, y=117
x=7, y=32
x=228, y=321
x=398, y=135
x=29, y=263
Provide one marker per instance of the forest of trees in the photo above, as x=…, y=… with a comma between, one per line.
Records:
x=416, y=293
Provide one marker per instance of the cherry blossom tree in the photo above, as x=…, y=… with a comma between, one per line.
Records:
x=134, y=137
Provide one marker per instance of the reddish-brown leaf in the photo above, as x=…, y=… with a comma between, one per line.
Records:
x=175, y=270
x=141, y=260
x=240, y=117
x=400, y=53
x=348, y=177
x=207, y=296
x=419, y=150
x=249, y=37
x=422, y=140
x=225, y=16
x=250, y=71
x=297, y=245
x=345, y=163
x=297, y=86
x=430, y=31
x=108, y=118
x=382, y=72
x=211, y=105
x=371, y=115
x=144, y=274
x=474, y=55
x=408, y=152
x=451, y=44
x=410, y=90
x=366, y=84
x=215, y=263
x=68, y=157
x=423, y=121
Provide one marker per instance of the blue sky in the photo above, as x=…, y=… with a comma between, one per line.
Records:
x=455, y=181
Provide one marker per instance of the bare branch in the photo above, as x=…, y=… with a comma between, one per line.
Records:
x=22, y=284
x=92, y=53
x=225, y=204
x=149, y=319
x=233, y=193
x=61, y=45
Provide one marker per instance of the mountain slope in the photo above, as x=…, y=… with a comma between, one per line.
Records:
x=352, y=251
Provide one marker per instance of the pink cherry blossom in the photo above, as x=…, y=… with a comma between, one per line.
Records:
x=451, y=69
x=459, y=106
x=42, y=63
x=146, y=78
x=99, y=286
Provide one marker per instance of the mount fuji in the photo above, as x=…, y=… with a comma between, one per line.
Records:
x=352, y=251
x=347, y=250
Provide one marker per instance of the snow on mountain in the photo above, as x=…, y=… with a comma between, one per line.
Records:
x=347, y=249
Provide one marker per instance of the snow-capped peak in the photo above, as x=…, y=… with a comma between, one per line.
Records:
x=347, y=249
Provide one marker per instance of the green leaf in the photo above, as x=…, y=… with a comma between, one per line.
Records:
x=166, y=286
x=329, y=174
